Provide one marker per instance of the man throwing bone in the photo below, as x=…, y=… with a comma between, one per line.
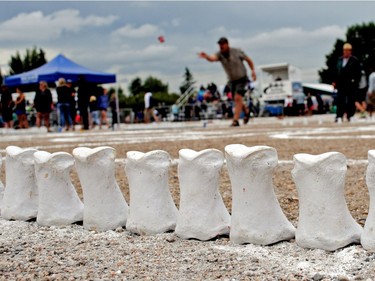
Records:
x=232, y=60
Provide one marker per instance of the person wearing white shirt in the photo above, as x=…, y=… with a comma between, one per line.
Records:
x=371, y=92
x=149, y=108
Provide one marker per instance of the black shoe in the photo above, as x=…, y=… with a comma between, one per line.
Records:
x=235, y=124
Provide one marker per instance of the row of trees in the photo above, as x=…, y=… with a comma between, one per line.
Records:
x=33, y=58
x=152, y=84
x=137, y=88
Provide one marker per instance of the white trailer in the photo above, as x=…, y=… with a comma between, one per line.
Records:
x=277, y=81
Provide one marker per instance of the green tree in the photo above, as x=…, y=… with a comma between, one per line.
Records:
x=188, y=81
x=154, y=85
x=151, y=84
x=33, y=59
x=362, y=38
x=135, y=86
x=16, y=64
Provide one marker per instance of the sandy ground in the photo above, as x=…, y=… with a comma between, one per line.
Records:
x=166, y=257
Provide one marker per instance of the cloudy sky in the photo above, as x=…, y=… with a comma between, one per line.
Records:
x=121, y=37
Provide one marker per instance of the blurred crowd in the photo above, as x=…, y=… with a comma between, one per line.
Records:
x=82, y=103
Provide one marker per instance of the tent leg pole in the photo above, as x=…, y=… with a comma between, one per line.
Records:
x=117, y=108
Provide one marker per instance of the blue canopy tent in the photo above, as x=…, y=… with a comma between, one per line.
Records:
x=60, y=66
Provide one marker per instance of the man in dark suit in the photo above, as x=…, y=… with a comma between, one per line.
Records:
x=346, y=83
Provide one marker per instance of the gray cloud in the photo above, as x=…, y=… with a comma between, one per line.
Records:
x=132, y=31
x=39, y=26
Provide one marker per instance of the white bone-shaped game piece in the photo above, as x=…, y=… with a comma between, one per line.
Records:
x=59, y=203
x=20, y=201
x=368, y=235
x=105, y=207
x=1, y=185
x=324, y=219
x=257, y=217
x=202, y=213
x=151, y=207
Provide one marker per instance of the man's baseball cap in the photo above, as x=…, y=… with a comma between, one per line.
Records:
x=222, y=40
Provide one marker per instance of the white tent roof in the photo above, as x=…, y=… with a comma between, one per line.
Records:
x=319, y=86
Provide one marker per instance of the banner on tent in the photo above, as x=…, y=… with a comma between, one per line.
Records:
x=28, y=79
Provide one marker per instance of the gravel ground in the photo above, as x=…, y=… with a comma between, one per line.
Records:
x=31, y=252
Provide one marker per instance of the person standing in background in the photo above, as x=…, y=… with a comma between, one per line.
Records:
x=20, y=110
x=360, y=101
x=346, y=82
x=84, y=93
x=94, y=112
x=149, y=108
x=72, y=102
x=6, y=106
x=309, y=104
x=320, y=102
x=103, y=104
x=43, y=105
x=288, y=105
x=63, y=104
x=371, y=92
x=113, y=106
x=300, y=103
